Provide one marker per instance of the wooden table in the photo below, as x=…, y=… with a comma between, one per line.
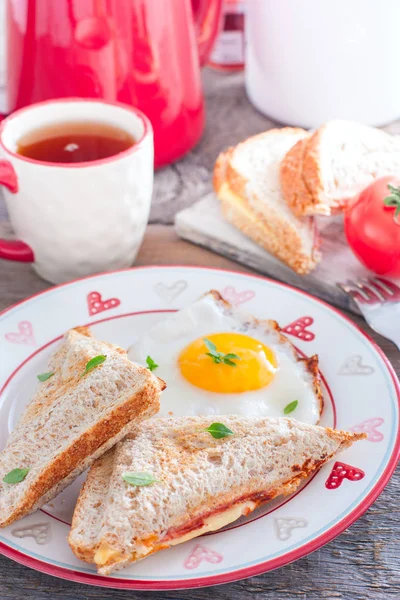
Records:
x=361, y=564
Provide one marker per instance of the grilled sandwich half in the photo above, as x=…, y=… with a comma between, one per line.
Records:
x=246, y=180
x=81, y=410
x=196, y=483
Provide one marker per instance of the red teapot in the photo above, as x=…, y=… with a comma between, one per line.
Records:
x=146, y=53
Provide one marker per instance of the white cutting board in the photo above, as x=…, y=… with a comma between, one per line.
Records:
x=203, y=224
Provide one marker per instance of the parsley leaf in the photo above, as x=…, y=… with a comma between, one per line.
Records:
x=139, y=479
x=290, y=407
x=218, y=430
x=151, y=365
x=45, y=376
x=93, y=363
x=15, y=476
x=219, y=357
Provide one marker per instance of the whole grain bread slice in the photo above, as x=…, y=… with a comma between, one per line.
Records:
x=322, y=172
x=197, y=478
x=72, y=419
x=246, y=180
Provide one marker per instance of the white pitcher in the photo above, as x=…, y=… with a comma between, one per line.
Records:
x=308, y=61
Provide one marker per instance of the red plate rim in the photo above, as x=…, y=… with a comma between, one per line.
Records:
x=262, y=567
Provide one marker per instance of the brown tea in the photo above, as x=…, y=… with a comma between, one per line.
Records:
x=73, y=142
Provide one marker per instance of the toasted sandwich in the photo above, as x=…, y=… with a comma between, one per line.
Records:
x=321, y=173
x=88, y=400
x=246, y=180
x=171, y=481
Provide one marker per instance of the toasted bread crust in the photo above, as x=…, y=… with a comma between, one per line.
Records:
x=293, y=184
x=301, y=179
x=184, y=439
x=90, y=495
x=272, y=234
x=231, y=498
x=139, y=406
x=313, y=177
x=134, y=403
x=286, y=247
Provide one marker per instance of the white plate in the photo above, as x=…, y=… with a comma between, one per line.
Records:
x=361, y=393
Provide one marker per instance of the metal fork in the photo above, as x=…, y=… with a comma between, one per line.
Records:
x=379, y=301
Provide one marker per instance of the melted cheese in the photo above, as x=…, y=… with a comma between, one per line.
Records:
x=105, y=554
x=217, y=521
x=225, y=193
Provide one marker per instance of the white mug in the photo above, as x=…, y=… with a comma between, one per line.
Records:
x=314, y=60
x=76, y=219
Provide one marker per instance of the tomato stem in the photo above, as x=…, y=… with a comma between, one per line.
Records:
x=393, y=200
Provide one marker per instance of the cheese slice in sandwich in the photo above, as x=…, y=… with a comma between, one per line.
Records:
x=76, y=414
x=246, y=180
x=321, y=173
x=200, y=483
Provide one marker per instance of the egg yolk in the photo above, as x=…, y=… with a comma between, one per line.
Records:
x=254, y=369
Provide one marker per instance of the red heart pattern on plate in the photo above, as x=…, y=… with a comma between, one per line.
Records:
x=24, y=334
x=299, y=329
x=370, y=427
x=234, y=297
x=199, y=554
x=97, y=305
x=342, y=471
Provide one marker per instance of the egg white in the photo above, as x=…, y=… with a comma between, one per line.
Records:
x=165, y=341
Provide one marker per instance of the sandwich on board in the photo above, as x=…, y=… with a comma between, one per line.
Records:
x=87, y=401
x=246, y=180
x=174, y=479
x=323, y=171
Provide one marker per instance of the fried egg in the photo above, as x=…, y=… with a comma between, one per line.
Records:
x=217, y=360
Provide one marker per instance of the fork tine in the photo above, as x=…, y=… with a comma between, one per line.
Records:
x=389, y=286
x=382, y=287
x=372, y=289
x=350, y=287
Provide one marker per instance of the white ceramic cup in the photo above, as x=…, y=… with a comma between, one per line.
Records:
x=310, y=61
x=76, y=219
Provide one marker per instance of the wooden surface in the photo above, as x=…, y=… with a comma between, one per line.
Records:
x=361, y=564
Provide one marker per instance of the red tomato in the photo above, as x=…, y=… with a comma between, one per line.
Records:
x=373, y=228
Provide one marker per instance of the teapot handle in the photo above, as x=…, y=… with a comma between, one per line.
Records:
x=208, y=19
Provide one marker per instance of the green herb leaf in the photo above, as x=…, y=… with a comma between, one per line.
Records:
x=151, y=365
x=229, y=362
x=393, y=200
x=139, y=479
x=219, y=357
x=93, y=363
x=210, y=346
x=45, y=376
x=290, y=407
x=218, y=430
x=15, y=476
